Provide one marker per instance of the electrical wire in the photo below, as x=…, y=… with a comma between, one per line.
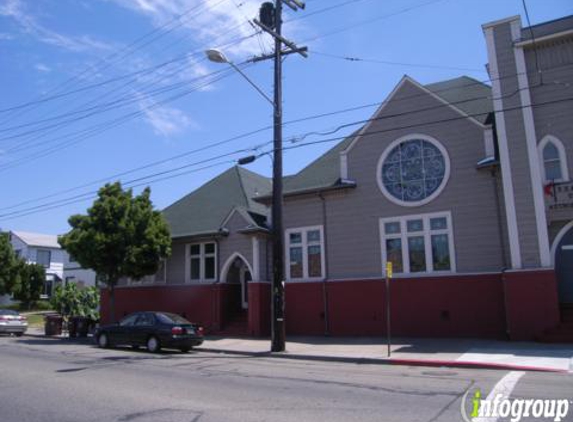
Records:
x=294, y=145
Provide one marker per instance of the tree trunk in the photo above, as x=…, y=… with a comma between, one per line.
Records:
x=112, y=302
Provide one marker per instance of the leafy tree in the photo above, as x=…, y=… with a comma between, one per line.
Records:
x=9, y=265
x=121, y=236
x=70, y=300
x=30, y=283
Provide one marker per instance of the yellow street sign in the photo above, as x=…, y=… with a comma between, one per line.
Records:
x=389, y=269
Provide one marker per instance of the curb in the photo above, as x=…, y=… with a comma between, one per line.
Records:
x=385, y=361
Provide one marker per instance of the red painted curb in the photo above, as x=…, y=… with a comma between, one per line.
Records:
x=391, y=361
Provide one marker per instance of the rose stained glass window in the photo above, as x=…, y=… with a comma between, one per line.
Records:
x=413, y=170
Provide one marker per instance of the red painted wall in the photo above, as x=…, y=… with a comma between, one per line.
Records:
x=483, y=305
x=259, y=309
x=304, y=307
x=464, y=306
x=532, y=303
x=201, y=304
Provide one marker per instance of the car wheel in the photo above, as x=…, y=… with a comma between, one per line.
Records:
x=185, y=349
x=153, y=345
x=18, y=334
x=103, y=341
x=135, y=347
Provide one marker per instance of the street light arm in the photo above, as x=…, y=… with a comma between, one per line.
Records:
x=259, y=90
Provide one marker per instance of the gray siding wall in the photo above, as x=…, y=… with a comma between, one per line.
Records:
x=556, y=64
x=352, y=233
x=176, y=262
x=235, y=242
x=518, y=157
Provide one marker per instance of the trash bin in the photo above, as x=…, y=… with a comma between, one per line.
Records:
x=78, y=326
x=53, y=325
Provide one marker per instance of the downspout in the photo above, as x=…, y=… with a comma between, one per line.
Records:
x=503, y=251
x=499, y=218
x=324, y=286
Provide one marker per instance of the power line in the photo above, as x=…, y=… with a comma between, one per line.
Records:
x=295, y=144
x=391, y=63
x=127, y=50
x=244, y=135
x=119, y=97
x=105, y=126
x=537, y=68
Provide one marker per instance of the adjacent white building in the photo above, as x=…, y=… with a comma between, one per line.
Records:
x=45, y=250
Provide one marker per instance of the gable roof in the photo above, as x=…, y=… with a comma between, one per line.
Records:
x=204, y=210
x=38, y=239
x=468, y=94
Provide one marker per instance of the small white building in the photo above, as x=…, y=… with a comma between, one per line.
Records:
x=44, y=249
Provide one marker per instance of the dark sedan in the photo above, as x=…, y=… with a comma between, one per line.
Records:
x=153, y=330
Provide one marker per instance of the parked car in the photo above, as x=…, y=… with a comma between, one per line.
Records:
x=153, y=330
x=11, y=322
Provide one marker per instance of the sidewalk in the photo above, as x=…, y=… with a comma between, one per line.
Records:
x=460, y=353
x=453, y=353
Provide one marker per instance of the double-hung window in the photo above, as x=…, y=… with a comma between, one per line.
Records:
x=202, y=262
x=418, y=244
x=44, y=257
x=305, y=253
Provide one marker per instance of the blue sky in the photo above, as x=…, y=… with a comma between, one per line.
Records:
x=95, y=88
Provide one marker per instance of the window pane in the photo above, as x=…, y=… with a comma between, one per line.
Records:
x=195, y=268
x=313, y=236
x=417, y=254
x=195, y=249
x=314, y=261
x=43, y=258
x=295, y=262
x=210, y=268
x=440, y=252
x=394, y=254
x=550, y=152
x=439, y=223
x=415, y=225
x=209, y=248
x=295, y=238
x=553, y=170
x=392, y=228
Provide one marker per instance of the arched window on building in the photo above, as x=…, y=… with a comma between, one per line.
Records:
x=553, y=160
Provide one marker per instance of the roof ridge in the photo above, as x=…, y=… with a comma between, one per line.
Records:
x=240, y=176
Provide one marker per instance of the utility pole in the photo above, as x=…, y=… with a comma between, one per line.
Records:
x=272, y=24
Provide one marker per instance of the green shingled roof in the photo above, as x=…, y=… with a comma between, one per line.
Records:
x=205, y=209
x=469, y=95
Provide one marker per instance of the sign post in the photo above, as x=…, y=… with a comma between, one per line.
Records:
x=388, y=325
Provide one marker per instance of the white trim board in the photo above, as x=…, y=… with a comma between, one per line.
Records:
x=388, y=99
x=532, y=152
x=508, y=191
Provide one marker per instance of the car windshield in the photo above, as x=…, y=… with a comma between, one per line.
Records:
x=8, y=312
x=171, y=318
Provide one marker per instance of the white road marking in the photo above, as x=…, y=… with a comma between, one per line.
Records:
x=504, y=387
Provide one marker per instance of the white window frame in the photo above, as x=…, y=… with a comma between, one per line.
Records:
x=202, y=255
x=304, y=245
x=390, y=148
x=550, y=139
x=426, y=233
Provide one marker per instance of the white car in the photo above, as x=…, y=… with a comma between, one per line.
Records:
x=11, y=322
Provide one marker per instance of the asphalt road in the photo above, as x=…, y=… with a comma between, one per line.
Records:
x=56, y=381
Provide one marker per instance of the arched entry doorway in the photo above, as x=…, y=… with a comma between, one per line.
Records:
x=563, y=255
x=238, y=271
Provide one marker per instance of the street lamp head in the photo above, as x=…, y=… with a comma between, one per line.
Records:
x=216, y=56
